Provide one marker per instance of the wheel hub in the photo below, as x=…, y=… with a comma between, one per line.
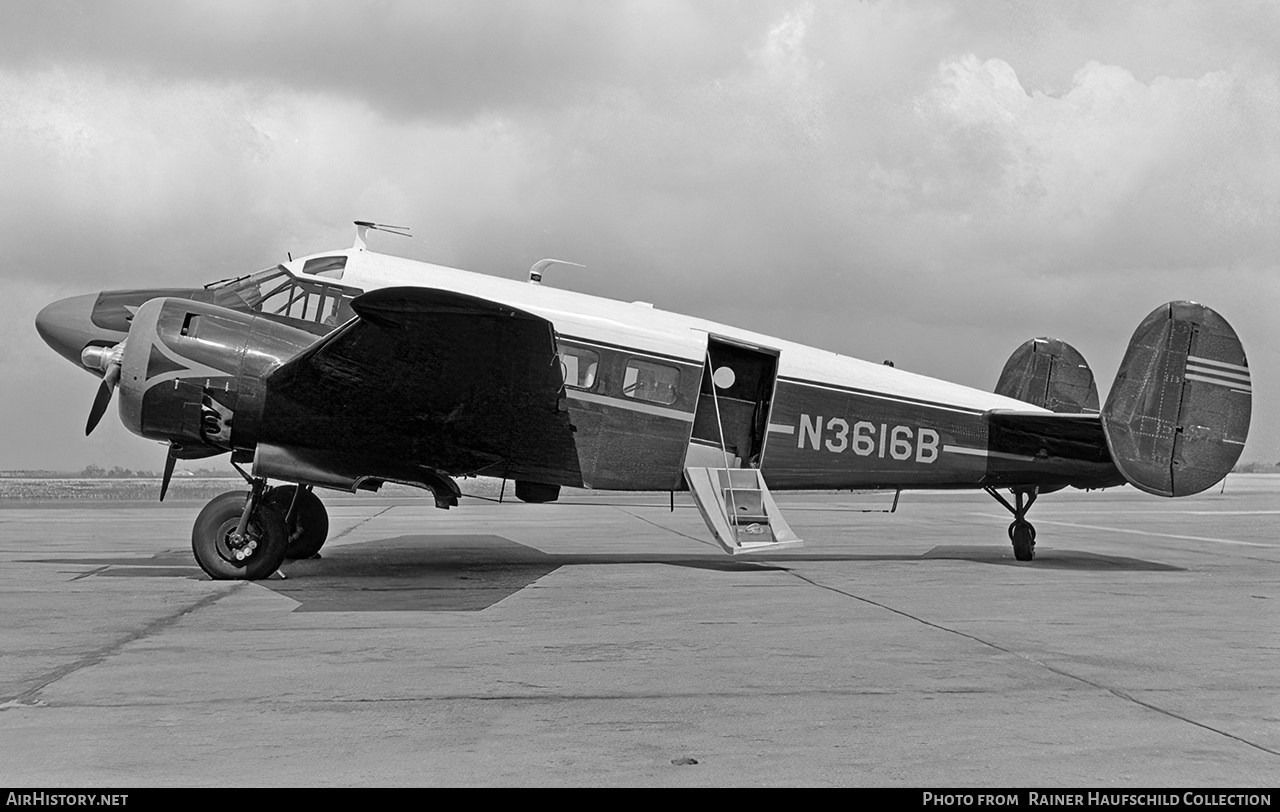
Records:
x=236, y=548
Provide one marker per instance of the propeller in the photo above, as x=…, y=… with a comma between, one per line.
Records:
x=169, y=460
x=183, y=452
x=109, y=360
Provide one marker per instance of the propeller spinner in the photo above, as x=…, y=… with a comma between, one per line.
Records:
x=107, y=359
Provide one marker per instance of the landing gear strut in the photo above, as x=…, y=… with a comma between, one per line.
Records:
x=1021, y=532
x=240, y=536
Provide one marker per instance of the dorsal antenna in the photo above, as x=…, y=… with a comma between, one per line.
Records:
x=363, y=227
x=535, y=273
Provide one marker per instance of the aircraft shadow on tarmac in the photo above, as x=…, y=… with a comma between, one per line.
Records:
x=434, y=573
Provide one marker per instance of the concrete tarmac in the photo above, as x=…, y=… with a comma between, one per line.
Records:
x=606, y=641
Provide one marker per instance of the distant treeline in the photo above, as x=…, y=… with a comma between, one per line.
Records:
x=1257, y=468
x=98, y=472
x=115, y=472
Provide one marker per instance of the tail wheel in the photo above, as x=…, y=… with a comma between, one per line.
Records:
x=223, y=554
x=1021, y=533
x=1023, y=536
x=308, y=529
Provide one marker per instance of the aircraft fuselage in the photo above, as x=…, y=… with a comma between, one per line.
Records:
x=348, y=369
x=807, y=418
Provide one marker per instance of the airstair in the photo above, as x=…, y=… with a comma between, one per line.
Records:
x=734, y=501
x=739, y=510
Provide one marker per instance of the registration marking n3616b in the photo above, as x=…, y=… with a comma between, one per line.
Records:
x=865, y=438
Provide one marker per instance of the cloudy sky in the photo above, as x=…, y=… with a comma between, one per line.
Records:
x=932, y=182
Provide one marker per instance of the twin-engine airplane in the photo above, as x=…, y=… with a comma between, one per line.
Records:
x=348, y=369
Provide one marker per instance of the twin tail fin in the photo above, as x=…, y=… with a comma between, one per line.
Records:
x=1177, y=416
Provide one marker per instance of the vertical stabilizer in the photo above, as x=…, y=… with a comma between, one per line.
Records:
x=1052, y=374
x=1177, y=416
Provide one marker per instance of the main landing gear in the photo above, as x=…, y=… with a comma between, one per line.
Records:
x=305, y=518
x=248, y=536
x=1021, y=532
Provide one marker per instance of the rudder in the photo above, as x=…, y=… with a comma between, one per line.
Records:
x=1177, y=416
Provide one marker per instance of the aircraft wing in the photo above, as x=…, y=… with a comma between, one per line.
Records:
x=429, y=378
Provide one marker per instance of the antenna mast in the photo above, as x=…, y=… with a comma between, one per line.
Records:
x=363, y=227
x=535, y=273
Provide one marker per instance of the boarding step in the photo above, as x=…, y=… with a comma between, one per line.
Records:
x=739, y=510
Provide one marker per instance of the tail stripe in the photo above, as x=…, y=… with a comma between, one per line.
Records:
x=1209, y=361
x=1218, y=373
x=1242, y=387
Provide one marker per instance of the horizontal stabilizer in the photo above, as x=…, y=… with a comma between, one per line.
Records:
x=1177, y=416
x=1051, y=374
x=1051, y=449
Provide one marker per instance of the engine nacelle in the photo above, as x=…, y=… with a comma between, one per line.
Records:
x=191, y=372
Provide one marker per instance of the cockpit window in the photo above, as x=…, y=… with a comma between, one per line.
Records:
x=276, y=292
x=325, y=266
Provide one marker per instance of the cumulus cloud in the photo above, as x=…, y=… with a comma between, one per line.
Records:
x=446, y=61
x=1115, y=171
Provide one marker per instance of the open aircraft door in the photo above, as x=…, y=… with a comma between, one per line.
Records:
x=730, y=430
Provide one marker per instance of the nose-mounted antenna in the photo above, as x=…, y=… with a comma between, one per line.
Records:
x=362, y=231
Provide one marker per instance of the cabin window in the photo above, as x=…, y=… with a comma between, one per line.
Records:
x=645, y=380
x=331, y=267
x=579, y=367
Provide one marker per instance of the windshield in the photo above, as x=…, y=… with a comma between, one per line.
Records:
x=276, y=292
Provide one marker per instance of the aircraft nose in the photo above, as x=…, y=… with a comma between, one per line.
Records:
x=67, y=326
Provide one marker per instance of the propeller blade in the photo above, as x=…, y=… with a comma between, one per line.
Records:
x=99, y=408
x=169, y=461
x=103, y=398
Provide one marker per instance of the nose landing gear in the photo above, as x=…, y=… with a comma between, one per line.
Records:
x=1021, y=532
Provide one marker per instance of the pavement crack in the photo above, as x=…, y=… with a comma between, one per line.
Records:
x=27, y=697
x=1059, y=671
x=94, y=571
x=360, y=523
x=668, y=529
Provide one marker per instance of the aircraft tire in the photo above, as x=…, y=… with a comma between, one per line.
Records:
x=1023, y=536
x=214, y=551
x=310, y=528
